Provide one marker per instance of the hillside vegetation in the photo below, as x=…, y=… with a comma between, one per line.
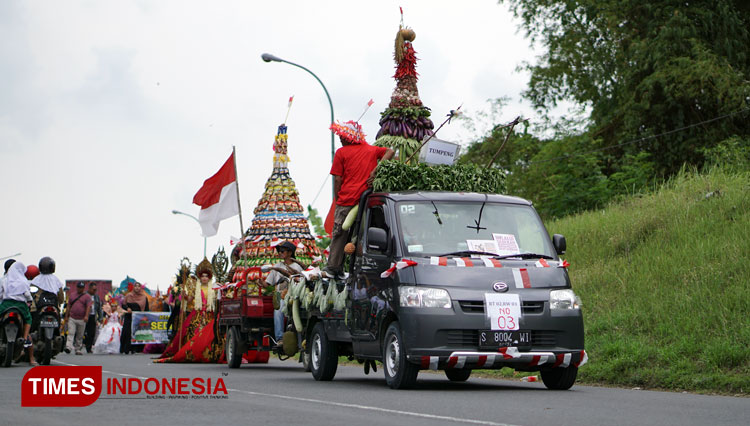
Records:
x=665, y=284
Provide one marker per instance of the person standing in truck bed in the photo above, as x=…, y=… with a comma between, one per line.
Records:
x=353, y=171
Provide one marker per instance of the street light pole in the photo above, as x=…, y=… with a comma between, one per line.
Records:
x=267, y=57
x=199, y=222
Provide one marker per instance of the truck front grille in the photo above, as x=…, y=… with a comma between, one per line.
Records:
x=477, y=306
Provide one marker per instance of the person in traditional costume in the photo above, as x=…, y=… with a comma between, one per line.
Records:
x=137, y=301
x=108, y=341
x=197, y=331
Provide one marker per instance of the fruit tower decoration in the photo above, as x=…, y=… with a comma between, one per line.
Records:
x=405, y=123
x=279, y=216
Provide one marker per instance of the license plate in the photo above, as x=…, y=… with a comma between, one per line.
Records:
x=494, y=339
x=49, y=323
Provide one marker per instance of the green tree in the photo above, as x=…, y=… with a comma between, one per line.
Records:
x=643, y=69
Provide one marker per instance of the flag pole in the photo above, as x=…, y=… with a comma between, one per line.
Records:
x=237, y=181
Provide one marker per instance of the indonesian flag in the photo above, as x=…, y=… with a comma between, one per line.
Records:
x=218, y=198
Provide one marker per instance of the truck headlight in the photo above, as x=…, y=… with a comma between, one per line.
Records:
x=564, y=299
x=424, y=297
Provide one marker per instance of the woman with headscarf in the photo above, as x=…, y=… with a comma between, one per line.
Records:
x=137, y=301
x=16, y=294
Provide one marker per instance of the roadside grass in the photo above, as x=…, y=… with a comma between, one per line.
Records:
x=665, y=284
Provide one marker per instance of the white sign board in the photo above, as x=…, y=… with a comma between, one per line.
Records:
x=436, y=151
x=487, y=246
x=506, y=244
x=503, y=310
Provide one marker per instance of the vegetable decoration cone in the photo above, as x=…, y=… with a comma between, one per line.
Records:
x=279, y=216
x=405, y=123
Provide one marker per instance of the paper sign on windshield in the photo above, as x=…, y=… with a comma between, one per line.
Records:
x=488, y=246
x=503, y=310
x=506, y=244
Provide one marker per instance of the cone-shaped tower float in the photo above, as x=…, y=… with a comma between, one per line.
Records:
x=406, y=121
x=279, y=216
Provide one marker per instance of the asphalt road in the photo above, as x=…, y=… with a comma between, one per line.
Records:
x=281, y=393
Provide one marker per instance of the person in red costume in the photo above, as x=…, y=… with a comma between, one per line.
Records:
x=353, y=171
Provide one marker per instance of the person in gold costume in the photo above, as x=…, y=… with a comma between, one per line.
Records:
x=196, y=341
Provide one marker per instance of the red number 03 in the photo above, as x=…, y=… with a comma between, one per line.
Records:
x=506, y=322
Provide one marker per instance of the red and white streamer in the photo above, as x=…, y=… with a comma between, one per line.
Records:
x=521, y=277
x=401, y=264
x=541, y=263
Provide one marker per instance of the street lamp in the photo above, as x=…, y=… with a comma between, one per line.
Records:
x=267, y=57
x=199, y=222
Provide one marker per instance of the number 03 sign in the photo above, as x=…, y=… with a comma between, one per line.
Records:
x=503, y=310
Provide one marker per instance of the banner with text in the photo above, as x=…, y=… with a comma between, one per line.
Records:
x=149, y=327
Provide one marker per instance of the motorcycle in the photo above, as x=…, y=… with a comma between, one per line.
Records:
x=11, y=335
x=45, y=329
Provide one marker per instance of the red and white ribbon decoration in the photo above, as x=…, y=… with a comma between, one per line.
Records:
x=541, y=263
x=234, y=240
x=491, y=263
x=257, y=239
x=439, y=261
x=401, y=264
x=563, y=264
x=275, y=241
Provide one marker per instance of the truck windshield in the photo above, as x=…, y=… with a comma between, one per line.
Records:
x=436, y=228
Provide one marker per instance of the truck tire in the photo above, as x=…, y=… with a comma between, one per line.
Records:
x=457, y=374
x=9, y=349
x=324, y=358
x=233, y=351
x=399, y=372
x=560, y=378
x=304, y=357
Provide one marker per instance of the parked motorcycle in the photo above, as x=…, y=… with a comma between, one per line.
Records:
x=45, y=329
x=11, y=335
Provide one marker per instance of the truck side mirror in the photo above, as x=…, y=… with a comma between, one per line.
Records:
x=559, y=242
x=377, y=239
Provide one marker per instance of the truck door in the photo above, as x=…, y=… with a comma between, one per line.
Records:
x=369, y=301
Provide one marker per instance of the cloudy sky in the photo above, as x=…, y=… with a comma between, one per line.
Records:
x=112, y=114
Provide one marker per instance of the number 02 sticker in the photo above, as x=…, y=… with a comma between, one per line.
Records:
x=503, y=310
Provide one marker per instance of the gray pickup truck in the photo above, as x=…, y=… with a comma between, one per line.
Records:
x=453, y=282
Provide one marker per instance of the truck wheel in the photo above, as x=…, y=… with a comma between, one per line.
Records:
x=324, y=358
x=399, y=372
x=457, y=374
x=233, y=352
x=560, y=378
x=305, y=359
x=9, y=349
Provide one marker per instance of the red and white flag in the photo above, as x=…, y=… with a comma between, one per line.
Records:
x=369, y=104
x=218, y=198
x=291, y=99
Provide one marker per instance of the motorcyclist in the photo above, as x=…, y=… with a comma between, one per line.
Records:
x=17, y=295
x=4, y=278
x=47, y=281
